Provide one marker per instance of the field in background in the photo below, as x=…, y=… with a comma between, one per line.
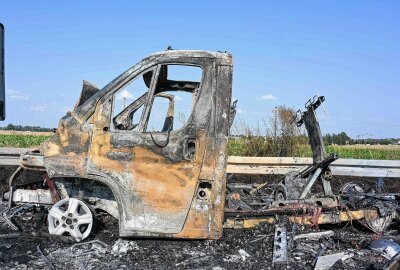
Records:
x=384, y=152
x=240, y=146
x=22, y=141
x=290, y=147
x=24, y=133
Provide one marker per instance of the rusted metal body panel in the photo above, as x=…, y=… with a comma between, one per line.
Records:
x=156, y=187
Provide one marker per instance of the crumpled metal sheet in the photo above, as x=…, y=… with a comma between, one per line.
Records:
x=388, y=248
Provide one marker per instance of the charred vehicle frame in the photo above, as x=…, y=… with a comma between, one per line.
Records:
x=172, y=182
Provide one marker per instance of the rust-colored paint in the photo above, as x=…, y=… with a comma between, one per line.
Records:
x=324, y=218
x=53, y=149
x=65, y=153
x=163, y=188
x=156, y=186
x=232, y=223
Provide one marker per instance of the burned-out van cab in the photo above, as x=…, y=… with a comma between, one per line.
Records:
x=155, y=138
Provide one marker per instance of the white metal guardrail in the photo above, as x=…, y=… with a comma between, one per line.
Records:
x=282, y=165
x=10, y=156
x=270, y=165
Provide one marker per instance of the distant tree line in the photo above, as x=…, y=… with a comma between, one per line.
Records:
x=342, y=138
x=26, y=128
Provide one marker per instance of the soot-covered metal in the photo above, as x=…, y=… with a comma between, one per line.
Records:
x=169, y=183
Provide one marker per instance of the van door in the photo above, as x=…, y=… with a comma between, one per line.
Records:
x=154, y=162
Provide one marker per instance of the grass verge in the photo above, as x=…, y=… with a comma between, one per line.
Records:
x=21, y=141
x=265, y=148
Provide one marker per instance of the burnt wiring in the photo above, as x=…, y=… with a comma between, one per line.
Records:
x=166, y=141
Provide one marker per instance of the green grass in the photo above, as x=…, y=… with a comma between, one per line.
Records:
x=350, y=151
x=21, y=141
x=271, y=148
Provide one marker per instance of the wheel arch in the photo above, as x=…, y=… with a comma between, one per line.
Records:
x=107, y=181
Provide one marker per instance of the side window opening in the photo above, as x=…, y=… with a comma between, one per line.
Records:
x=129, y=102
x=174, y=97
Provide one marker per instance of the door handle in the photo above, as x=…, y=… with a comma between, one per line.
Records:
x=190, y=149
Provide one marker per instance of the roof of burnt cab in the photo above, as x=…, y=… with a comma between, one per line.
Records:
x=222, y=56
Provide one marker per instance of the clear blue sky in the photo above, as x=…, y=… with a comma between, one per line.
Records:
x=285, y=52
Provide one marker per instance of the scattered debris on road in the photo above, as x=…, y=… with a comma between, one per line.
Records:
x=280, y=255
x=314, y=235
x=243, y=254
x=240, y=248
x=388, y=248
x=121, y=247
x=326, y=262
